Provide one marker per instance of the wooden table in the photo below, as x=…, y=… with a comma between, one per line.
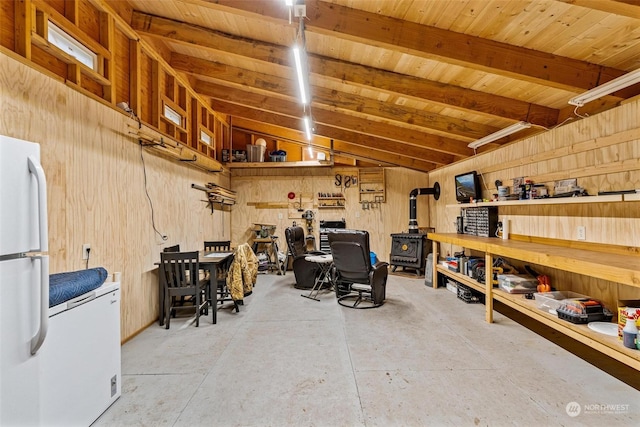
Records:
x=209, y=261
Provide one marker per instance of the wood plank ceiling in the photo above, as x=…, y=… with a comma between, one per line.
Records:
x=405, y=82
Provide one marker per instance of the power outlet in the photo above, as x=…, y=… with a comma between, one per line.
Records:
x=86, y=248
x=581, y=232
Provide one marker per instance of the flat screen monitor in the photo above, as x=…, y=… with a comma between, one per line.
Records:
x=467, y=187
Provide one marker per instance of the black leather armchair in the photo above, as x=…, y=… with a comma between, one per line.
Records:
x=304, y=271
x=356, y=280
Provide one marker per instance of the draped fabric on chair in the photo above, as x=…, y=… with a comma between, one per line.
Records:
x=181, y=279
x=355, y=278
x=243, y=273
x=305, y=271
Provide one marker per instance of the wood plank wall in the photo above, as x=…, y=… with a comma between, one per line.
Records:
x=96, y=187
x=601, y=151
x=273, y=186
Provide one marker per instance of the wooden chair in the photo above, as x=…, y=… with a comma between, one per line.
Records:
x=223, y=269
x=180, y=270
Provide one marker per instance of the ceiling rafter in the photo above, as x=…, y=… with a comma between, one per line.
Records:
x=431, y=42
x=337, y=133
x=391, y=82
x=331, y=99
x=629, y=8
x=436, y=144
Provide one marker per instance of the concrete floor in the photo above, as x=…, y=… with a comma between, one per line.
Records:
x=424, y=358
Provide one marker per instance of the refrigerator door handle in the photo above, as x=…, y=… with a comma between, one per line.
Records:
x=38, y=338
x=36, y=168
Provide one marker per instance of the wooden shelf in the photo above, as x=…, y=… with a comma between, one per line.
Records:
x=249, y=165
x=608, y=345
x=616, y=267
x=547, y=201
x=602, y=265
x=371, y=184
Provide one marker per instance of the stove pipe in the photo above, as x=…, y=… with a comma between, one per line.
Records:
x=413, y=222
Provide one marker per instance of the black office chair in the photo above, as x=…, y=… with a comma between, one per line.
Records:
x=217, y=246
x=304, y=271
x=355, y=279
x=181, y=280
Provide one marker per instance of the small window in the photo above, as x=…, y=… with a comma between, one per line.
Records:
x=172, y=115
x=71, y=46
x=205, y=137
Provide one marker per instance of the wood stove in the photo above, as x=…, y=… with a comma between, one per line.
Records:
x=409, y=250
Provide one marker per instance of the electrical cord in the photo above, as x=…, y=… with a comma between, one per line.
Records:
x=86, y=266
x=146, y=191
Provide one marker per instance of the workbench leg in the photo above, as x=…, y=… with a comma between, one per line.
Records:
x=436, y=247
x=488, y=282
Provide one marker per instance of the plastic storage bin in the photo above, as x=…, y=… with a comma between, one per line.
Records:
x=551, y=301
x=515, y=284
x=469, y=295
x=584, y=310
x=278, y=156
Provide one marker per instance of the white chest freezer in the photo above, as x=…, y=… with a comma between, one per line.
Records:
x=80, y=369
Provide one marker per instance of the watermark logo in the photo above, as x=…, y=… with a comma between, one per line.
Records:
x=573, y=409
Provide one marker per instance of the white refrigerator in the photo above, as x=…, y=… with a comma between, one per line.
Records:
x=24, y=280
x=59, y=366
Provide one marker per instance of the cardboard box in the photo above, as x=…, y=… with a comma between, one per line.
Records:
x=623, y=305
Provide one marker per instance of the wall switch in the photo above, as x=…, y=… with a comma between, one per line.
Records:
x=280, y=216
x=581, y=232
x=357, y=214
x=86, y=248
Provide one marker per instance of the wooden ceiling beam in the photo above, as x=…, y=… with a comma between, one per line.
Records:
x=434, y=43
x=442, y=148
x=377, y=146
x=331, y=99
x=342, y=148
x=393, y=83
x=628, y=8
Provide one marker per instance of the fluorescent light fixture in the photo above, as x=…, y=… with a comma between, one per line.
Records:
x=614, y=85
x=288, y=2
x=516, y=127
x=308, y=127
x=300, y=72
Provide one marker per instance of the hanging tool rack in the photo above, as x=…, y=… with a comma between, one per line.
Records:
x=217, y=195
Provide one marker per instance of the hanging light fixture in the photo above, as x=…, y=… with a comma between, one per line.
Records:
x=516, y=127
x=300, y=59
x=308, y=127
x=614, y=85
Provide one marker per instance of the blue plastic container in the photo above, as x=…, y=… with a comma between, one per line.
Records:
x=374, y=257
